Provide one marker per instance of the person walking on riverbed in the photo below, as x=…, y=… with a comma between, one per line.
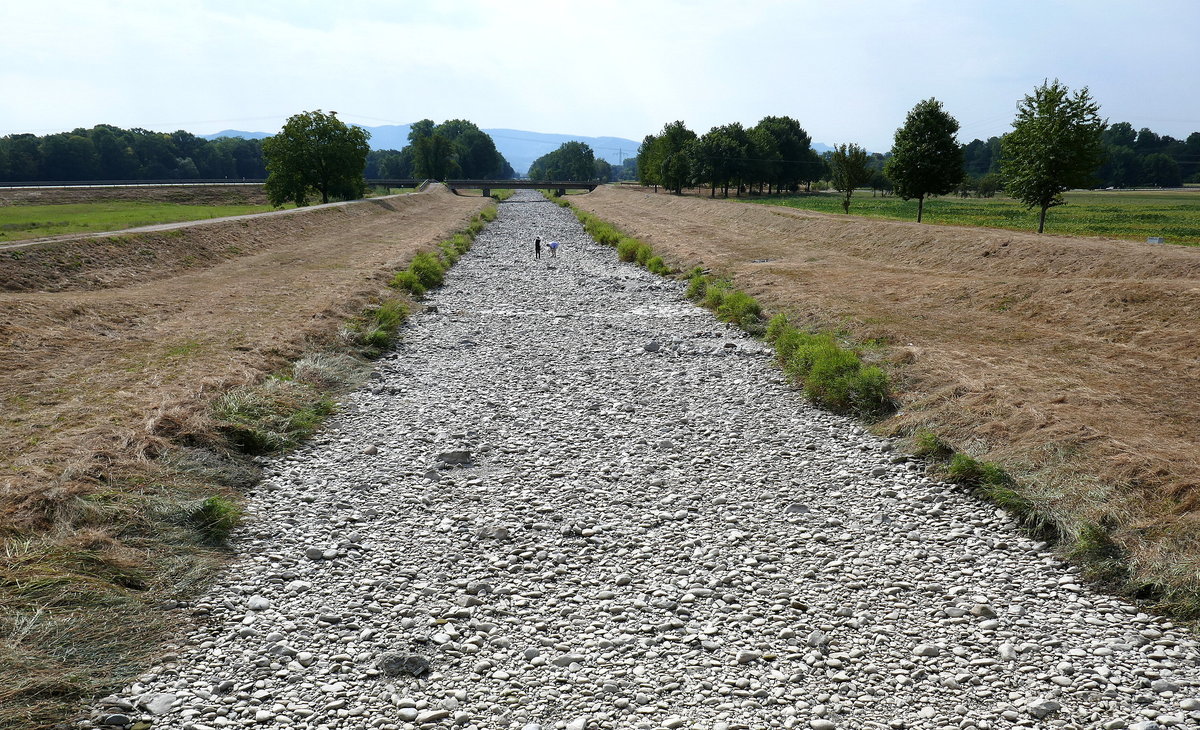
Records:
x=554, y=249
x=537, y=248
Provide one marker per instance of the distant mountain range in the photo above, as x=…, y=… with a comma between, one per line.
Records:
x=518, y=146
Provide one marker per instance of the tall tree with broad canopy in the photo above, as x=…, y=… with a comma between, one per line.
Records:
x=665, y=159
x=720, y=156
x=648, y=165
x=432, y=153
x=797, y=161
x=571, y=162
x=1057, y=143
x=849, y=167
x=315, y=151
x=926, y=158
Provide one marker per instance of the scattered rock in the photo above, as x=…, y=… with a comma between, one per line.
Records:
x=396, y=665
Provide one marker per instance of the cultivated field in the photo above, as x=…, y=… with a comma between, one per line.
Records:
x=1135, y=215
x=111, y=351
x=1073, y=362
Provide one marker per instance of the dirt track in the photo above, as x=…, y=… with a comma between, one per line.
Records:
x=100, y=335
x=1074, y=360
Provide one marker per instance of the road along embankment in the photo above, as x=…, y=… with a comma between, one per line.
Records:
x=1072, y=362
x=108, y=447
x=572, y=499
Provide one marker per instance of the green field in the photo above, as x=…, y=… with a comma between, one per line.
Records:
x=20, y=222
x=1135, y=215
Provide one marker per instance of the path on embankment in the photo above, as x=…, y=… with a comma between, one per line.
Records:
x=652, y=530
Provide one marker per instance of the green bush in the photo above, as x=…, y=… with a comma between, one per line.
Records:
x=428, y=269
x=697, y=285
x=714, y=294
x=928, y=445
x=215, y=517
x=738, y=307
x=376, y=331
x=831, y=379
x=657, y=266
x=831, y=375
x=489, y=213
x=776, y=326
x=461, y=242
x=408, y=281
x=627, y=249
x=644, y=253
x=964, y=470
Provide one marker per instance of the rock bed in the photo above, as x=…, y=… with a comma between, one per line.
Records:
x=571, y=499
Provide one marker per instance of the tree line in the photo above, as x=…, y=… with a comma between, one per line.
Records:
x=1058, y=142
x=1132, y=158
x=105, y=152
x=453, y=150
x=774, y=155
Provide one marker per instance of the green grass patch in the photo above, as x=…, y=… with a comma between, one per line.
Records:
x=627, y=250
x=831, y=375
x=216, y=516
x=1133, y=215
x=20, y=222
x=928, y=445
x=271, y=416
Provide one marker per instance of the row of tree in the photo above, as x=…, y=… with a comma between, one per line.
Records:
x=454, y=149
x=775, y=154
x=1132, y=158
x=1058, y=142
x=105, y=152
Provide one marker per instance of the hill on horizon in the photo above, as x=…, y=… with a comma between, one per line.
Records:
x=520, y=147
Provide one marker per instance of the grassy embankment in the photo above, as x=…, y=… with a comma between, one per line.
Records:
x=94, y=549
x=20, y=222
x=1133, y=215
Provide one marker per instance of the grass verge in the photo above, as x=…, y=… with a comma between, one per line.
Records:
x=20, y=222
x=1133, y=215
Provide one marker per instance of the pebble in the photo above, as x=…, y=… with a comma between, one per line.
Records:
x=572, y=531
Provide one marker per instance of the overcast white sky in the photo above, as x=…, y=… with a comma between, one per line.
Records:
x=848, y=70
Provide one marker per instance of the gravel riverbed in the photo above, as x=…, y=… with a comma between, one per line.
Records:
x=572, y=499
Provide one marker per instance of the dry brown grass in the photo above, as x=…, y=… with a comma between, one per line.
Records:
x=107, y=446
x=182, y=194
x=1073, y=362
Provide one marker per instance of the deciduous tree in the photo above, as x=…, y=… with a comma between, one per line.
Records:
x=926, y=158
x=315, y=151
x=849, y=167
x=1056, y=144
x=571, y=162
